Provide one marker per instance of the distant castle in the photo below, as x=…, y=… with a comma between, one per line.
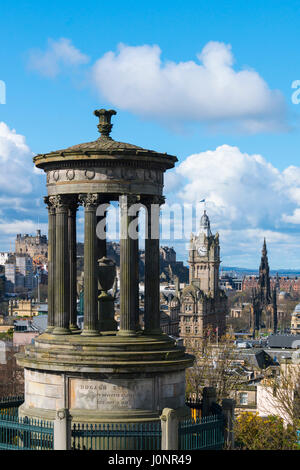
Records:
x=32, y=245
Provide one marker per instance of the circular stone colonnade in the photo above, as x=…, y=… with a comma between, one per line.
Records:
x=102, y=374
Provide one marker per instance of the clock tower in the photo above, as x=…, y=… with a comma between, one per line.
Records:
x=204, y=258
x=203, y=305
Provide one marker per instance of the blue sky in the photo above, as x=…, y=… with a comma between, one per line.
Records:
x=52, y=108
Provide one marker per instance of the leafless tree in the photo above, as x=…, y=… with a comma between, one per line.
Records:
x=11, y=375
x=216, y=365
x=281, y=393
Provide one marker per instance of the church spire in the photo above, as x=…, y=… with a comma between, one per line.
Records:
x=264, y=249
x=274, y=308
x=264, y=276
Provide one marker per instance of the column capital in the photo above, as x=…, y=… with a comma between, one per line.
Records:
x=60, y=202
x=49, y=204
x=89, y=200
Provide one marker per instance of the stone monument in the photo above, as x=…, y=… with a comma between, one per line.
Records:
x=103, y=374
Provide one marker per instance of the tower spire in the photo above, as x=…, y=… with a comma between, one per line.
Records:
x=264, y=249
x=205, y=224
x=264, y=276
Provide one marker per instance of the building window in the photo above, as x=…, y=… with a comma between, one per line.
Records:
x=187, y=330
x=243, y=398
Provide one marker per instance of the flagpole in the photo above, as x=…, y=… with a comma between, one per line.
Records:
x=204, y=201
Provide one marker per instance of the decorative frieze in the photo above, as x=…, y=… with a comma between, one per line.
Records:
x=70, y=174
x=89, y=174
x=106, y=173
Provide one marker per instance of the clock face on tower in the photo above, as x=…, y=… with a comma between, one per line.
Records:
x=202, y=250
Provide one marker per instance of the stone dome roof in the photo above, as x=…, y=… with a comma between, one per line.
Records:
x=297, y=308
x=204, y=221
x=104, y=144
x=205, y=224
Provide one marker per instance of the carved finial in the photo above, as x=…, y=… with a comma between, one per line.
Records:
x=105, y=125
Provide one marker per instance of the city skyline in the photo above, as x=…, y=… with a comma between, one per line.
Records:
x=221, y=98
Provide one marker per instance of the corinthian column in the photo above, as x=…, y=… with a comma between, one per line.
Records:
x=128, y=263
x=90, y=203
x=152, y=291
x=51, y=262
x=72, y=258
x=62, y=266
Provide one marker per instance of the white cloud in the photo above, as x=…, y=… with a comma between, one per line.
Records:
x=15, y=203
x=247, y=199
x=15, y=161
x=294, y=218
x=59, y=53
x=21, y=189
x=12, y=227
x=241, y=189
x=243, y=248
x=208, y=90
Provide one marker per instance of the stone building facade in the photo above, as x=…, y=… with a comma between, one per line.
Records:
x=295, y=320
x=169, y=318
x=36, y=246
x=168, y=254
x=285, y=284
x=23, y=308
x=19, y=274
x=203, y=305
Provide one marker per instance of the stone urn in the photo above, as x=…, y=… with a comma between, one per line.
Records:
x=106, y=277
x=106, y=273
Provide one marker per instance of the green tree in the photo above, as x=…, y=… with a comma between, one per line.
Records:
x=253, y=432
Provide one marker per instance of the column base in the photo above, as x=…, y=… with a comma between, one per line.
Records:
x=58, y=330
x=74, y=328
x=49, y=329
x=127, y=333
x=90, y=333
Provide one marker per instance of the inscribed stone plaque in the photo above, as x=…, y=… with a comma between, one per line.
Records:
x=118, y=394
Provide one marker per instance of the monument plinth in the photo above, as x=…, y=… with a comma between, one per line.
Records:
x=102, y=374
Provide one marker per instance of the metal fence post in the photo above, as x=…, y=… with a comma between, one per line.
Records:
x=169, y=429
x=209, y=397
x=228, y=406
x=62, y=430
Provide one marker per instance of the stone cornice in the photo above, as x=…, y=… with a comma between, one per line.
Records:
x=103, y=354
x=81, y=160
